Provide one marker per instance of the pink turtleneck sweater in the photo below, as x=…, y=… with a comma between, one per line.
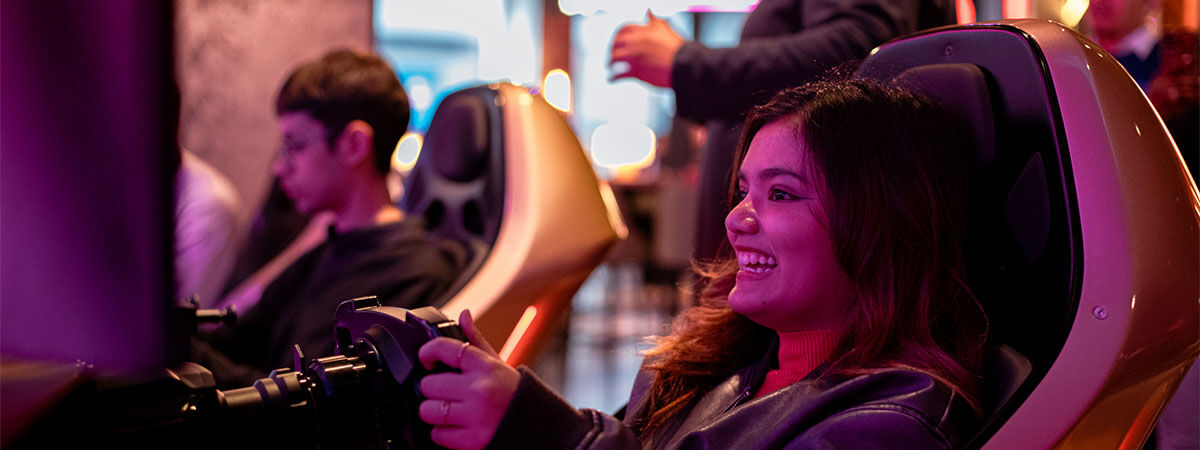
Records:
x=799, y=353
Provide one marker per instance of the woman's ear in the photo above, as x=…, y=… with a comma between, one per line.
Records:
x=354, y=145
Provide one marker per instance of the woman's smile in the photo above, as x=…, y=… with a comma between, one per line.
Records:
x=755, y=262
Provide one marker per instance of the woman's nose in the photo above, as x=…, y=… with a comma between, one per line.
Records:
x=742, y=219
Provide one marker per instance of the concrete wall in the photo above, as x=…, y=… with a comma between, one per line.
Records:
x=231, y=58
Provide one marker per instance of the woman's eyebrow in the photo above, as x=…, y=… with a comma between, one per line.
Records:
x=780, y=171
x=771, y=173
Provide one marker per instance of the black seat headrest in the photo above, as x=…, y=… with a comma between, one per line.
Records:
x=460, y=135
x=457, y=183
x=963, y=89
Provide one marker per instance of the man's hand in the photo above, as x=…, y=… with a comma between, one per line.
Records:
x=648, y=49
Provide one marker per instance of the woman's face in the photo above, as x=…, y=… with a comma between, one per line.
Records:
x=788, y=276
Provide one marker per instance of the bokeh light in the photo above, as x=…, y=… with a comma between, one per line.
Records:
x=623, y=146
x=556, y=88
x=407, y=151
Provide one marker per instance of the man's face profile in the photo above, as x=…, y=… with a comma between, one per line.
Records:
x=307, y=168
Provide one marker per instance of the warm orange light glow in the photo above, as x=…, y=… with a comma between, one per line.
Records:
x=407, y=151
x=1189, y=14
x=556, y=88
x=1072, y=11
x=966, y=11
x=1018, y=9
x=518, y=332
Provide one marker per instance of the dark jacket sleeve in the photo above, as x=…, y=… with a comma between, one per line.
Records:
x=537, y=418
x=237, y=354
x=723, y=83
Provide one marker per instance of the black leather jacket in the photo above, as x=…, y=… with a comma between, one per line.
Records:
x=890, y=409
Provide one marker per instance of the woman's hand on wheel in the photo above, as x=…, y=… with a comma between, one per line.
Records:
x=465, y=407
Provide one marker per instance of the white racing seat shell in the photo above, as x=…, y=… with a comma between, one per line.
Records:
x=1084, y=236
x=502, y=172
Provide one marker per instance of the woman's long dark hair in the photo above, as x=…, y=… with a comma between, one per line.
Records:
x=895, y=194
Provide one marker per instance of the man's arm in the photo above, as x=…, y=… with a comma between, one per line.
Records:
x=724, y=83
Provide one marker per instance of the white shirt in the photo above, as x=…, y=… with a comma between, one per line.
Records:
x=209, y=223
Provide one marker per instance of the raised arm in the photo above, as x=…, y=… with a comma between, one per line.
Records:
x=723, y=83
x=784, y=44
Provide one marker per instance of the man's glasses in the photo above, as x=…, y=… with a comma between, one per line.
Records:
x=290, y=148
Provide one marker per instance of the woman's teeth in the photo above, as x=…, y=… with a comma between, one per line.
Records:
x=755, y=262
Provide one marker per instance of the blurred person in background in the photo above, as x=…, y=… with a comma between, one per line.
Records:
x=1161, y=55
x=209, y=221
x=340, y=117
x=1130, y=31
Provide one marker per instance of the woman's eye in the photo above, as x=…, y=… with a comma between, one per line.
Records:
x=779, y=195
x=738, y=195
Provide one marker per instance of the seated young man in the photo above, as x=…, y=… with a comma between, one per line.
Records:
x=340, y=118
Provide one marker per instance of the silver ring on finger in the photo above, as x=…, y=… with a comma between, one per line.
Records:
x=461, y=349
x=445, y=413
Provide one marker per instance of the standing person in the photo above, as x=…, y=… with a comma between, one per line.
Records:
x=1129, y=31
x=783, y=43
x=1160, y=51
x=341, y=117
x=842, y=321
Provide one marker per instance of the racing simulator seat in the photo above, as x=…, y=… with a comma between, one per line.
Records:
x=1083, y=231
x=502, y=173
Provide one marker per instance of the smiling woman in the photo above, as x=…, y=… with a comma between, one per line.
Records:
x=853, y=195
x=842, y=322
x=788, y=275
